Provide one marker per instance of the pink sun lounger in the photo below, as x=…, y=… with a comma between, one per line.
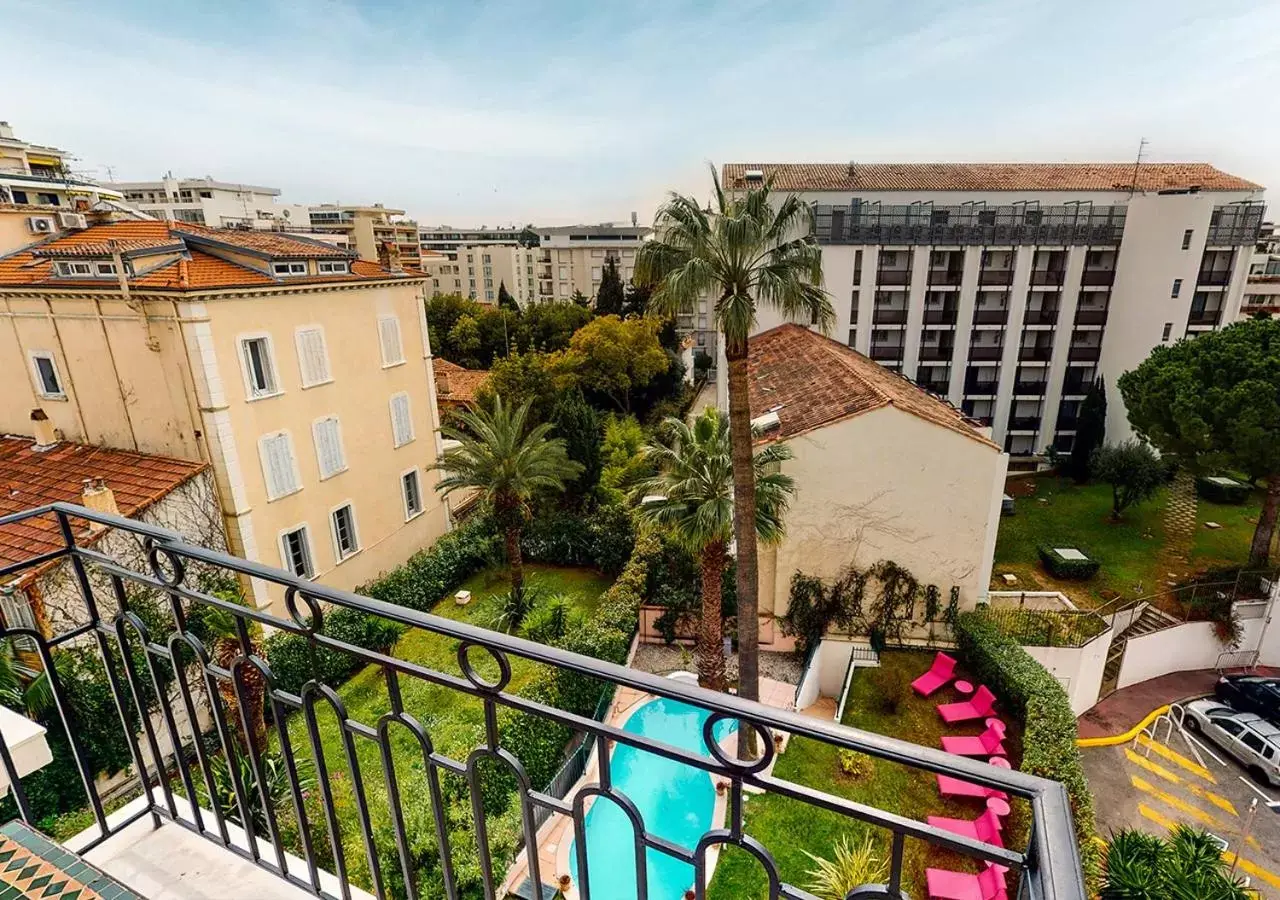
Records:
x=949, y=786
x=989, y=884
x=986, y=744
x=941, y=672
x=985, y=828
x=981, y=705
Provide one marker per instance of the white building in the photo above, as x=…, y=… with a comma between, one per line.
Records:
x=1005, y=288
x=478, y=271
x=448, y=238
x=572, y=257
x=217, y=204
x=1262, y=291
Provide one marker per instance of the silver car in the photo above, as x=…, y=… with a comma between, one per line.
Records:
x=1250, y=739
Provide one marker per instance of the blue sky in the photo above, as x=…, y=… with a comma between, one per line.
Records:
x=474, y=112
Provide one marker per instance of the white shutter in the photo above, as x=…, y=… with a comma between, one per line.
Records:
x=389, y=333
x=401, y=420
x=328, y=436
x=313, y=358
x=277, y=465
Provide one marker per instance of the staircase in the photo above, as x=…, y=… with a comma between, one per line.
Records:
x=1152, y=619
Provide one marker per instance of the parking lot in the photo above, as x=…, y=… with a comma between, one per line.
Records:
x=1152, y=784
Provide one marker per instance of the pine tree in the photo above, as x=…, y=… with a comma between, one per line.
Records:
x=1091, y=430
x=611, y=296
x=505, y=300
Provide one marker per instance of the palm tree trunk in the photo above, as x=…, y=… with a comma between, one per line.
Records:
x=514, y=560
x=253, y=690
x=1180, y=514
x=744, y=532
x=1260, y=549
x=710, y=629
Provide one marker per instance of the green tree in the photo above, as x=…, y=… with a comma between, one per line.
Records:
x=549, y=326
x=537, y=379
x=1187, y=866
x=580, y=299
x=505, y=300
x=691, y=497
x=1132, y=469
x=507, y=461
x=1091, y=430
x=443, y=314
x=464, y=343
x=23, y=687
x=1214, y=402
x=610, y=296
x=751, y=248
x=637, y=300
x=617, y=357
x=622, y=463
x=579, y=425
x=498, y=329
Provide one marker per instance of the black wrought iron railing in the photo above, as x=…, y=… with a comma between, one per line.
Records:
x=1046, y=865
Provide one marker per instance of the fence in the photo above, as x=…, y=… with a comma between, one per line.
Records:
x=1046, y=628
x=574, y=767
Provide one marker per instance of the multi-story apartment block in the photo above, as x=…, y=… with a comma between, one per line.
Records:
x=39, y=195
x=571, y=258
x=1262, y=291
x=478, y=271
x=300, y=373
x=1007, y=288
x=369, y=230
x=218, y=204
x=447, y=238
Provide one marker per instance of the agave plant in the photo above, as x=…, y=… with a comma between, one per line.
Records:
x=275, y=781
x=853, y=867
x=552, y=618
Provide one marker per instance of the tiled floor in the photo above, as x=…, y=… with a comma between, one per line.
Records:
x=31, y=866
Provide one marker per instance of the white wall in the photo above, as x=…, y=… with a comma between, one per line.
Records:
x=1078, y=669
x=1181, y=648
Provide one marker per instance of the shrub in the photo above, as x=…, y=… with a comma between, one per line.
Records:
x=853, y=867
x=295, y=660
x=853, y=764
x=892, y=688
x=603, y=539
x=1070, y=569
x=1035, y=697
x=1217, y=492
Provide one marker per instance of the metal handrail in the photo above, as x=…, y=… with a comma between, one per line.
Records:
x=1050, y=863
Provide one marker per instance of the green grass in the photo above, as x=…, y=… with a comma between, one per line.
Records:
x=1129, y=551
x=788, y=828
x=454, y=721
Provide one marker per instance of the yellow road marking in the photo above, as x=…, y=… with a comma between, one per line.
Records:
x=1177, y=803
x=1177, y=758
x=1252, y=869
x=1128, y=736
x=1208, y=796
x=1169, y=825
x=1163, y=821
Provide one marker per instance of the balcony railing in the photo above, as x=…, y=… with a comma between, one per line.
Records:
x=1047, y=276
x=1091, y=317
x=935, y=352
x=950, y=277
x=1095, y=277
x=1086, y=353
x=936, y=385
x=889, y=317
x=1204, y=316
x=1036, y=353
x=893, y=276
x=1067, y=423
x=1040, y=317
x=1030, y=388
x=996, y=276
x=1075, y=387
x=990, y=316
x=1214, y=277
x=885, y=353
x=174, y=571
x=980, y=388
x=986, y=353
x=940, y=316
x=1024, y=423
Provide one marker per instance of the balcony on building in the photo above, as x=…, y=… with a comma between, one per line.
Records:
x=1215, y=268
x=971, y=224
x=995, y=277
x=981, y=411
x=886, y=352
x=1235, y=224
x=934, y=378
x=1042, y=309
x=986, y=352
x=937, y=350
x=1085, y=345
x=940, y=308
x=1030, y=381
x=890, y=308
x=1099, y=268
x=1048, y=268
x=1092, y=308
x=946, y=267
x=1024, y=423
x=1077, y=380
x=1068, y=415
x=991, y=308
x=1035, y=348
x=1206, y=310
x=981, y=381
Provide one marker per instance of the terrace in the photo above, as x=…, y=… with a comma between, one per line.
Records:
x=408, y=840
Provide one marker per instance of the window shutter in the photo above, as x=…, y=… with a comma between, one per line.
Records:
x=313, y=359
x=389, y=332
x=277, y=466
x=401, y=420
x=328, y=435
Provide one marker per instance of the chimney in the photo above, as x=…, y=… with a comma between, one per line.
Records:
x=389, y=257
x=42, y=429
x=442, y=383
x=5, y=130
x=98, y=497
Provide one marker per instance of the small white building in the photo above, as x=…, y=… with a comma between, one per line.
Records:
x=884, y=471
x=218, y=204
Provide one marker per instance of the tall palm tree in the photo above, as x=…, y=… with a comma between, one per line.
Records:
x=750, y=249
x=507, y=461
x=692, y=496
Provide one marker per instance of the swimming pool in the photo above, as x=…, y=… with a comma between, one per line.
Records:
x=675, y=800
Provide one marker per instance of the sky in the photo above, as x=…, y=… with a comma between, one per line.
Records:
x=473, y=112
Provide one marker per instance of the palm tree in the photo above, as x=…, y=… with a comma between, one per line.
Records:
x=507, y=462
x=1188, y=865
x=692, y=496
x=23, y=687
x=748, y=249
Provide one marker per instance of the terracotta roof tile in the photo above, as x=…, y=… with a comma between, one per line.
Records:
x=811, y=381
x=455, y=385
x=268, y=242
x=986, y=176
x=29, y=479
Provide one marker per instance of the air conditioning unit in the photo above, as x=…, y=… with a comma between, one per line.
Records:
x=69, y=221
x=41, y=224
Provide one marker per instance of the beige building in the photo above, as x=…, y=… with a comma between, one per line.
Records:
x=369, y=230
x=478, y=271
x=883, y=470
x=218, y=204
x=302, y=375
x=572, y=258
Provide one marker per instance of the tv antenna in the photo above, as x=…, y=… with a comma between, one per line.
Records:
x=1142, y=147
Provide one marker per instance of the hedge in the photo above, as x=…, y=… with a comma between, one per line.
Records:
x=1073, y=569
x=1049, y=738
x=1217, y=492
x=603, y=539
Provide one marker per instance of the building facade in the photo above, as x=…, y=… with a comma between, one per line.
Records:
x=447, y=238
x=571, y=258
x=218, y=204
x=478, y=271
x=370, y=230
x=1006, y=289
x=300, y=374
x=1262, y=290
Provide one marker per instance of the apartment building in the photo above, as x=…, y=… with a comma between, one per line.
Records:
x=1262, y=290
x=479, y=270
x=299, y=372
x=1006, y=288
x=369, y=230
x=448, y=238
x=218, y=204
x=571, y=258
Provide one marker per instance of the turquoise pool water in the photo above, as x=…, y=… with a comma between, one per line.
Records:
x=675, y=800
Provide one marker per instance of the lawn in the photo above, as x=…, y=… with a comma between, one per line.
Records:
x=788, y=828
x=1063, y=514
x=454, y=721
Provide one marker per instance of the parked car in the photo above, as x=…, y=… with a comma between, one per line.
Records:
x=1251, y=693
x=1250, y=739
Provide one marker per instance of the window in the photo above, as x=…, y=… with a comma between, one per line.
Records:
x=207, y=195
x=487, y=260
x=313, y=357
x=1177, y=287
x=401, y=419
x=1168, y=329
x=332, y=267
x=389, y=335
x=278, y=468
x=76, y=269
x=488, y=282
x=296, y=267
x=889, y=258
x=488, y=271
x=939, y=217
x=1254, y=743
x=564, y=289
x=597, y=253
x=295, y=552
x=1230, y=726
x=595, y=273
x=47, y=199
x=46, y=372
x=412, y=490
x=564, y=272
x=329, y=454
x=259, y=372
x=1186, y=238
x=345, y=541
x=488, y=295
x=1095, y=257
x=19, y=196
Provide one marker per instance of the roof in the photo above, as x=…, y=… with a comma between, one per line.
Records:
x=31, y=478
x=206, y=183
x=812, y=381
x=987, y=176
x=463, y=384
x=199, y=267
